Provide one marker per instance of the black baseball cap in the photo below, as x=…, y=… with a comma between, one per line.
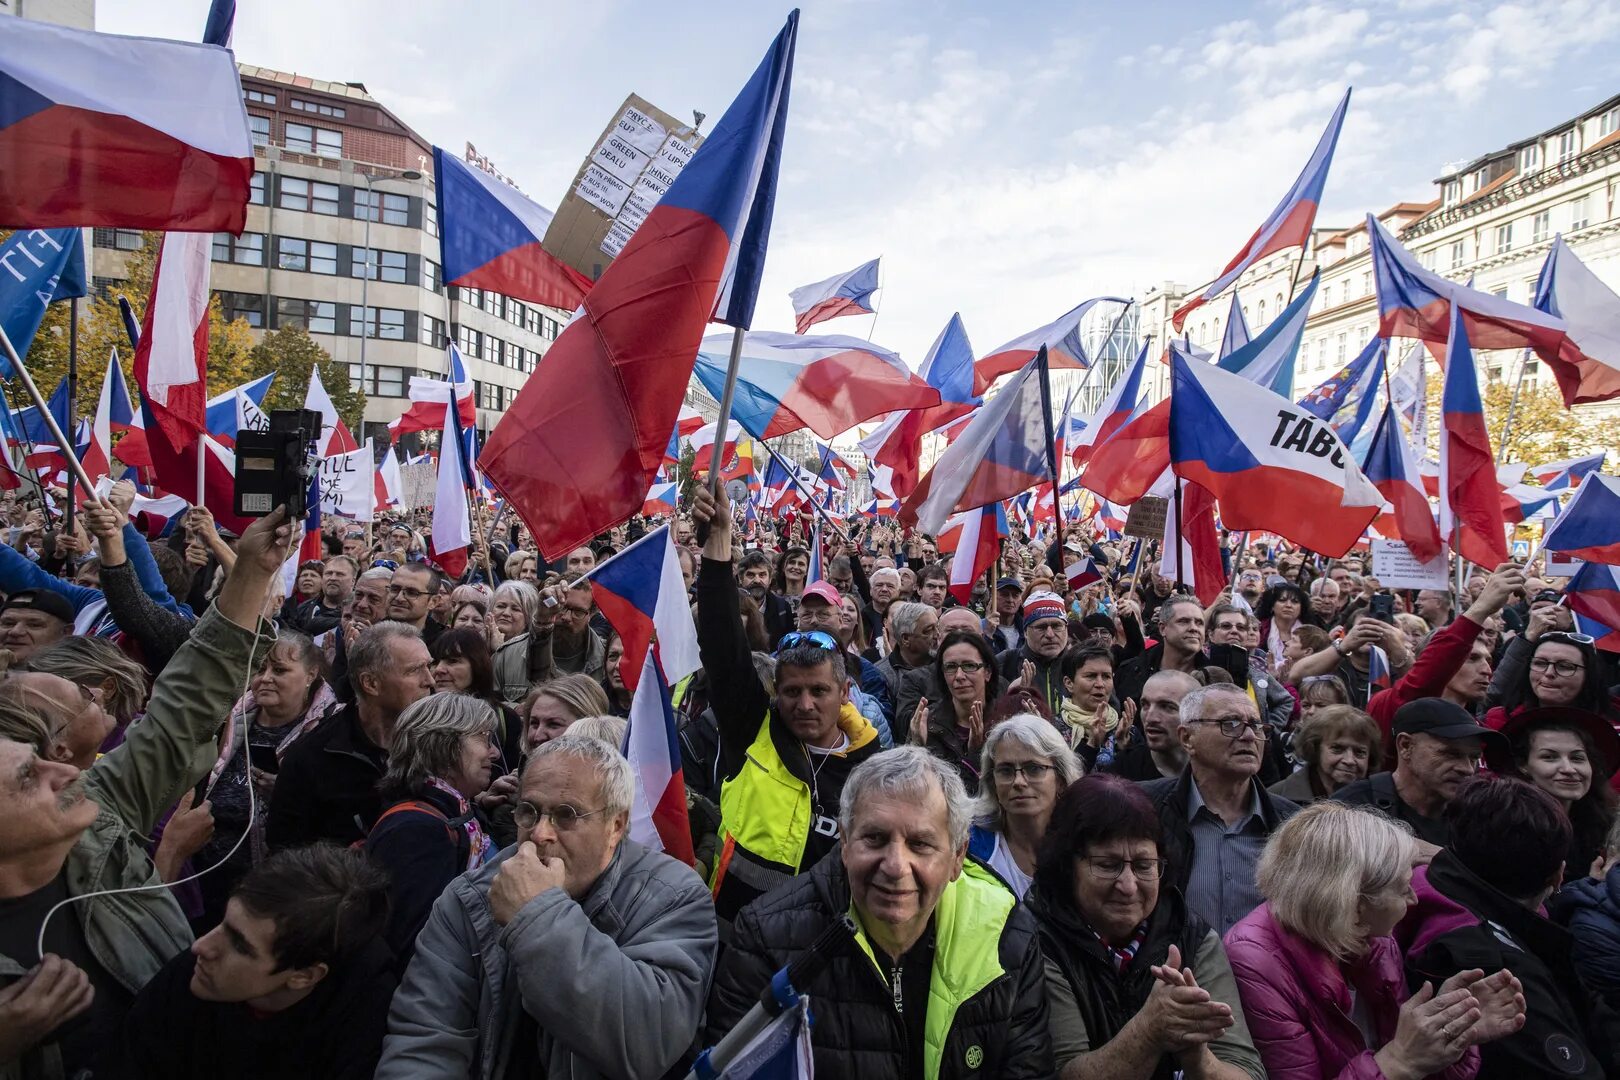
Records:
x=1441, y=718
x=51, y=603
x=1009, y=583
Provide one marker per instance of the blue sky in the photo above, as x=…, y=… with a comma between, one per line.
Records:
x=1006, y=162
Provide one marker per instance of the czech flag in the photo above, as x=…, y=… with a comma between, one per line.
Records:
x=1082, y=573
x=1237, y=328
x=1289, y=224
x=1470, y=497
x=897, y=442
x=490, y=238
x=1588, y=369
x=452, y=527
x=642, y=595
x=576, y=452
x=1567, y=475
x=1268, y=360
x=1125, y=466
x=1006, y=448
x=731, y=454
x=849, y=293
x=1379, y=675
x=827, y=384
x=1393, y=470
x=882, y=508
x=1589, y=527
x=1593, y=594
x=1522, y=503
x=114, y=413
x=814, y=572
x=975, y=537
x=660, y=501
x=430, y=397
x=688, y=421
x=1415, y=303
x=223, y=413
x=1264, y=458
x=1115, y=409
x=135, y=133
x=336, y=438
x=1060, y=339
x=171, y=356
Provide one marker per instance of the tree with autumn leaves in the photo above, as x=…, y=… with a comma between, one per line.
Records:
x=233, y=358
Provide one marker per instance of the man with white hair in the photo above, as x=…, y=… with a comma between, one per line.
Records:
x=915, y=991
x=577, y=952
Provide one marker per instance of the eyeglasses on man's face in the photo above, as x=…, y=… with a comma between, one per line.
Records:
x=564, y=818
x=1234, y=726
x=407, y=592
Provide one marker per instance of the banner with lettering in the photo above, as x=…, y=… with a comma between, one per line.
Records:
x=348, y=486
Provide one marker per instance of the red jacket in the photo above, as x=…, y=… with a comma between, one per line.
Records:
x=1297, y=1003
x=1440, y=659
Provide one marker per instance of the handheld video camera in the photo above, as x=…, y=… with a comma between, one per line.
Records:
x=274, y=467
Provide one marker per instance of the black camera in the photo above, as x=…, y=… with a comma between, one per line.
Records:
x=274, y=467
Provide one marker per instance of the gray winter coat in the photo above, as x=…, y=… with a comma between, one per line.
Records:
x=615, y=983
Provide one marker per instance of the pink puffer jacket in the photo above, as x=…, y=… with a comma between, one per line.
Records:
x=1297, y=1003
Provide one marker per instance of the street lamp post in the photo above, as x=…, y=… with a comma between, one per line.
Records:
x=373, y=208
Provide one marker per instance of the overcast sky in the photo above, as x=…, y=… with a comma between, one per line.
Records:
x=1006, y=165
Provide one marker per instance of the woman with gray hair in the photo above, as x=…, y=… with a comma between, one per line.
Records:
x=514, y=616
x=1025, y=765
x=442, y=757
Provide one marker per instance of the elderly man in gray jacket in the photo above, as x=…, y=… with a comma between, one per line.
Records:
x=578, y=953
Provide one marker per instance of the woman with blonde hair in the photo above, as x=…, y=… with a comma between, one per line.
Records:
x=1321, y=978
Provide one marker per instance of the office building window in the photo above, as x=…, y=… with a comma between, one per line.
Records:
x=430, y=217
x=1541, y=226
x=430, y=331
x=316, y=316
x=385, y=323
x=1339, y=354
x=308, y=195
x=514, y=313
x=259, y=97
x=256, y=189
x=310, y=256
x=1580, y=213
x=1451, y=192
x=380, y=381
x=432, y=280
x=531, y=319
x=117, y=239
x=1569, y=144
x=1504, y=237
x=320, y=108
x=1366, y=283
x=468, y=295
x=495, y=350
x=246, y=306
x=532, y=360
x=321, y=142
x=1321, y=354
x=552, y=329
x=260, y=127
x=1530, y=158
x=247, y=249
x=1456, y=254
x=382, y=207
x=384, y=265
x=470, y=341
x=492, y=303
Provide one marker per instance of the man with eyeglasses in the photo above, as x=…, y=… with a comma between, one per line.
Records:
x=783, y=760
x=1037, y=663
x=1438, y=746
x=326, y=788
x=577, y=952
x=576, y=649
x=410, y=600
x=1216, y=815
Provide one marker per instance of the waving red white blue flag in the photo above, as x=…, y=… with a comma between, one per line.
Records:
x=1237, y=328
x=1589, y=367
x=1263, y=458
x=643, y=597
x=1470, y=496
x=1567, y=475
x=826, y=383
x=897, y=442
x=975, y=538
x=1289, y=225
x=1006, y=448
x=1393, y=470
x=1116, y=408
x=490, y=237
x=430, y=397
x=849, y=293
x=223, y=413
x=1268, y=358
x=1060, y=338
x=1593, y=594
x=576, y=453
x=113, y=414
x=136, y=133
x=1589, y=527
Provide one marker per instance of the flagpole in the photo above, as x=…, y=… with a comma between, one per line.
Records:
x=1513, y=406
x=74, y=466
x=1180, y=579
x=73, y=400
x=1293, y=282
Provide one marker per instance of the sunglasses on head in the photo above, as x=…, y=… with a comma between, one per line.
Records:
x=1568, y=637
x=815, y=639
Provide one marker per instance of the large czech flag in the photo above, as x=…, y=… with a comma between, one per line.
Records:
x=1060, y=338
x=135, y=133
x=576, y=453
x=1264, y=458
x=1470, y=494
x=828, y=384
x=1589, y=527
x=975, y=537
x=897, y=442
x=1593, y=594
x=1589, y=367
x=1393, y=469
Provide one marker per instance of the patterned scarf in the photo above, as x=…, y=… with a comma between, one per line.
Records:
x=1122, y=957
x=480, y=846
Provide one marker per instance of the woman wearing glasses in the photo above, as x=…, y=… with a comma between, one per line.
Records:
x=1320, y=976
x=443, y=756
x=1568, y=753
x=951, y=721
x=1138, y=985
x=1025, y=764
x=1547, y=667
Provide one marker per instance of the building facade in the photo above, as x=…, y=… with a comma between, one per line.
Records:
x=342, y=238
x=1492, y=220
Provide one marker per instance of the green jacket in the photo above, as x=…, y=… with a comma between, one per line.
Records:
x=165, y=754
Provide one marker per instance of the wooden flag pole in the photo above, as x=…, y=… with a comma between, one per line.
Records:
x=73, y=402
x=1180, y=570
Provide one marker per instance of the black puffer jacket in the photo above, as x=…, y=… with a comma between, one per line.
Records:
x=1000, y=1031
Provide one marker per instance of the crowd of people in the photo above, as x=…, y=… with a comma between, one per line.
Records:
x=375, y=822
